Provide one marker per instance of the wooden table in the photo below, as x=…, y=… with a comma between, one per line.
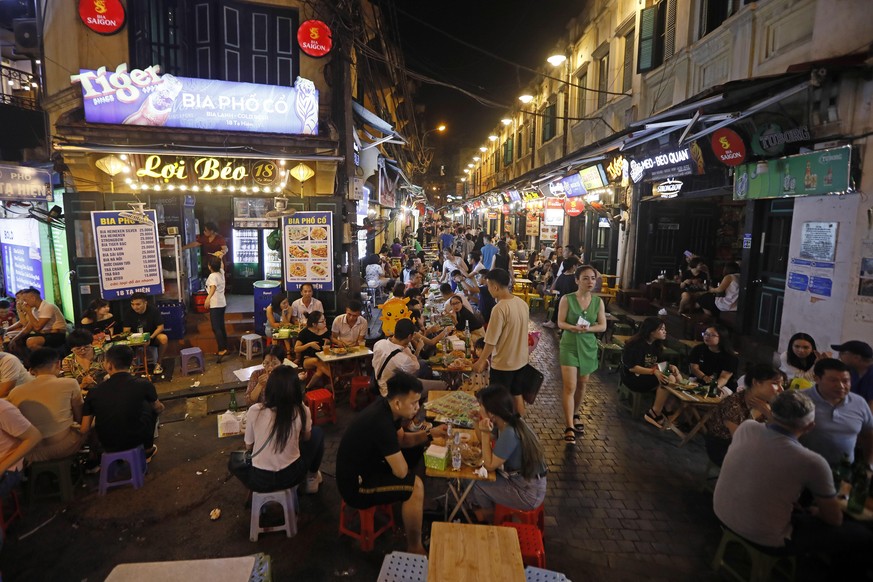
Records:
x=456, y=479
x=664, y=291
x=474, y=553
x=701, y=408
x=240, y=569
x=453, y=377
x=135, y=345
x=244, y=374
x=333, y=359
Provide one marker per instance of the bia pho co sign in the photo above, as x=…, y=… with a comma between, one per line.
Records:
x=145, y=97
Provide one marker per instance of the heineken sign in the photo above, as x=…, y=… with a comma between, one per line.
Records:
x=810, y=174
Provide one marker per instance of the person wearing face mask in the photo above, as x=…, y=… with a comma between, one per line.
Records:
x=258, y=380
x=305, y=305
x=311, y=341
x=763, y=385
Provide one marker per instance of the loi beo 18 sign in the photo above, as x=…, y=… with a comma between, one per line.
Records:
x=145, y=97
x=128, y=255
x=728, y=147
x=22, y=183
x=102, y=16
x=22, y=261
x=314, y=38
x=307, y=239
x=183, y=170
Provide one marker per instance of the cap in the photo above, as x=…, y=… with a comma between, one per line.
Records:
x=856, y=347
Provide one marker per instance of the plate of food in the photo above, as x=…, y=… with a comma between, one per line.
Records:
x=298, y=270
x=318, y=233
x=471, y=455
x=298, y=233
x=298, y=252
x=318, y=269
x=319, y=251
x=340, y=351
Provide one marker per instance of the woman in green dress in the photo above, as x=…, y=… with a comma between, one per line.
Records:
x=580, y=315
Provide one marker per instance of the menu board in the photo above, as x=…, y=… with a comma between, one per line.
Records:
x=128, y=253
x=307, y=242
x=22, y=262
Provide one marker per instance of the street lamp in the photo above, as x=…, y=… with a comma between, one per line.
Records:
x=476, y=158
x=483, y=149
x=526, y=98
x=556, y=60
x=492, y=137
x=506, y=121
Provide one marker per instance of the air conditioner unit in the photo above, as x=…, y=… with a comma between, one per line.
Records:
x=26, y=36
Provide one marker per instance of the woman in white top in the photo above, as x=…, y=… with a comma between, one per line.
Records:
x=286, y=448
x=798, y=361
x=216, y=303
x=302, y=307
x=726, y=295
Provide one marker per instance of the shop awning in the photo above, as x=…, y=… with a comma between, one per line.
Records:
x=368, y=118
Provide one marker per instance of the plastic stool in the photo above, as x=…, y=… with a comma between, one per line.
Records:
x=763, y=563
x=360, y=384
x=62, y=470
x=6, y=521
x=189, y=354
x=251, y=345
x=537, y=517
x=287, y=498
x=533, y=553
x=532, y=574
x=610, y=354
x=135, y=459
x=321, y=400
x=367, y=533
x=403, y=567
x=634, y=402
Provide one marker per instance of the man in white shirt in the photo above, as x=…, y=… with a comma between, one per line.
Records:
x=17, y=438
x=12, y=373
x=400, y=353
x=349, y=329
x=42, y=323
x=305, y=305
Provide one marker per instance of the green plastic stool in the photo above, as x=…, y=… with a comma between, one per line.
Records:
x=634, y=402
x=610, y=354
x=62, y=469
x=763, y=564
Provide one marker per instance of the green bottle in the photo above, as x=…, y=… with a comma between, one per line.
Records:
x=232, y=406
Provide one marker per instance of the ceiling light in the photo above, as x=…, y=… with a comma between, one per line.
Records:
x=483, y=149
x=470, y=165
x=505, y=121
x=466, y=170
x=525, y=98
x=463, y=179
x=556, y=60
x=492, y=137
x=476, y=158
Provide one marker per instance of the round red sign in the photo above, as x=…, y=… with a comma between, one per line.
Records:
x=102, y=16
x=728, y=147
x=314, y=38
x=574, y=206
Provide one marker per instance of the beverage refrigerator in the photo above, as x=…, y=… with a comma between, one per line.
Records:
x=253, y=260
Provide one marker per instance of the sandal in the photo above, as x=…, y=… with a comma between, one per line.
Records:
x=570, y=436
x=577, y=423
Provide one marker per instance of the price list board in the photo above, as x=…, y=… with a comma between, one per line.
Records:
x=22, y=260
x=307, y=240
x=128, y=253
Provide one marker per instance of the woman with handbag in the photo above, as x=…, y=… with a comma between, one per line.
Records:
x=580, y=315
x=287, y=448
x=517, y=457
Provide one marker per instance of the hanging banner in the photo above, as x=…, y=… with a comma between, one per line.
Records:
x=128, y=253
x=22, y=260
x=548, y=233
x=553, y=215
x=307, y=238
x=145, y=97
x=810, y=174
x=23, y=183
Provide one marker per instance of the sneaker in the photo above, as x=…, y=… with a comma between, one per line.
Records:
x=158, y=370
x=313, y=481
x=655, y=420
x=550, y=324
x=150, y=452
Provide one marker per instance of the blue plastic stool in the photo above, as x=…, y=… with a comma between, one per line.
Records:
x=189, y=354
x=135, y=458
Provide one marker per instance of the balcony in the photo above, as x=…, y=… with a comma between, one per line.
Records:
x=17, y=89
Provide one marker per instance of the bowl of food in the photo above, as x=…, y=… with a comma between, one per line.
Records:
x=340, y=351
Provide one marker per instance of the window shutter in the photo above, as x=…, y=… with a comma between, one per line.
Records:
x=670, y=30
x=646, y=55
x=627, y=73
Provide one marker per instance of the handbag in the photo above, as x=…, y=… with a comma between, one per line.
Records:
x=242, y=460
x=531, y=380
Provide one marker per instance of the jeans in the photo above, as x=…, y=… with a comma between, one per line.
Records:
x=216, y=318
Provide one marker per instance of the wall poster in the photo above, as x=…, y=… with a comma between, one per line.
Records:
x=22, y=261
x=818, y=241
x=128, y=253
x=307, y=238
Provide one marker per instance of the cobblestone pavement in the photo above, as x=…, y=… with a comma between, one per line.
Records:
x=624, y=503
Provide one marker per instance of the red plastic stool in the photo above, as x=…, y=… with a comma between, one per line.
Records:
x=367, y=533
x=5, y=520
x=321, y=401
x=533, y=553
x=360, y=384
x=537, y=517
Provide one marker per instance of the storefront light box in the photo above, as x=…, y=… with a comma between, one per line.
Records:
x=147, y=98
x=809, y=174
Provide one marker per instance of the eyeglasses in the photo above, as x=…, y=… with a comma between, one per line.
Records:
x=707, y=334
x=81, y=349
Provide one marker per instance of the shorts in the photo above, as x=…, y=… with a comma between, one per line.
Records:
x=378, y=489
x=54, y=339
x=707, y=301
x=510, y=379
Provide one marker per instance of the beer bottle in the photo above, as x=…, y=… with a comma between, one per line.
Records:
x=232, y=405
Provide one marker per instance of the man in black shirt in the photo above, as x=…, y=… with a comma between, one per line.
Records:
x=565, y=284
x=146, y=318
x=127, y=407
x=371, y=467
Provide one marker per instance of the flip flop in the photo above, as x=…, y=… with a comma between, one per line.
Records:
x=570, y=436
x=578, y=427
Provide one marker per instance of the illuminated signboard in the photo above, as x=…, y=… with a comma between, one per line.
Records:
x=573, y=186
x=514, y=196
x=314, y=38
x=593, y=177
x=193, y=173
x=663, y=165
x=145, y=97
x=554, y=212
x=102, y=16
x=23, y=183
